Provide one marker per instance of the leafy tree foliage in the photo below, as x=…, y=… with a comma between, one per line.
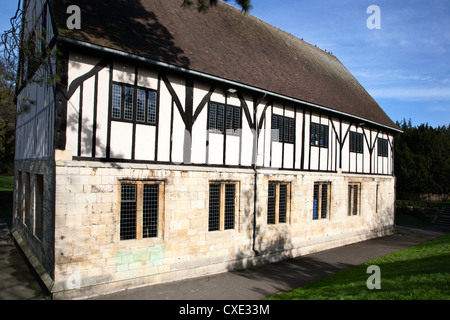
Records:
x=203, y=5
x=7, y=119
x=422, y=156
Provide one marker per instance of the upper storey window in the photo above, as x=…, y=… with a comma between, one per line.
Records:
x=383, y=147
x=224, y=117
x=319, y=135
x=283, y=129
x=356, y=142
x=133, y=104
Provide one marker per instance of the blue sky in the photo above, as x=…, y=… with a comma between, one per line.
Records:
x=405, y=65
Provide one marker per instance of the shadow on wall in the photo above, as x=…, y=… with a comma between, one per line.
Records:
x=86, y=142
x=267, y=247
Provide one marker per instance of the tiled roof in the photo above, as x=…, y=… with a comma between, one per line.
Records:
x=226, y=43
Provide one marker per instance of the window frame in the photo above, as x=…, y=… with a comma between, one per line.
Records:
x=356, y=142
x=316, y=137
x=277, y=203
x=230, y=128
x=318, y=212
x=150, y=119
x=139, y=209
x=282, y=136
x=220, y=224
x=354, y=195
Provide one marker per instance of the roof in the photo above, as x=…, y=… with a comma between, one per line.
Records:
x=226, y=43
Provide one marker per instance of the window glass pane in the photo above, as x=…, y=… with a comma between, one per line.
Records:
x=220, y=117
x=212, y=116
x=151, y=117
x=214, y=207
x=314, y=134
x=39, y=206
x=150, y=211
x=128, y=212
x=271, y=204
x=280, y=128
x=321, y=135
x=275, y=129
x=229, y=206
x=352, y=142
x=282, y=204
x=237, y=119
x=355, y=200
x=324, y=201
x=291, y=131
x=316, y=202
x=116, y=101
x=128, y=104
x=229, y=118
x=349, y=200
x=140, y=106
x=286, y=130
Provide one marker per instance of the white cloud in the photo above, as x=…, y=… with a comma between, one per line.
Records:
x=412, y=93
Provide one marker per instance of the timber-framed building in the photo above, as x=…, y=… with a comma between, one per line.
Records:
x=177, y=144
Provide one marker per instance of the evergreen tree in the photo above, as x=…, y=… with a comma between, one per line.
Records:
x=422, y=158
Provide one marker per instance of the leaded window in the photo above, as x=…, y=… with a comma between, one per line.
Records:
x=319, y=135
x=321, y=200
x=141, y=209
x=356, y=142
x=133, y=104
x=277, y=202
x=283, y=129
x=222, y=206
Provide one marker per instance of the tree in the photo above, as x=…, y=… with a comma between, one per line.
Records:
x=421, y=159
x=7, y=119
x=203, y=5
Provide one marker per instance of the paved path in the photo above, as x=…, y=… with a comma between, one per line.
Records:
x=264, y=281
x=17, y=281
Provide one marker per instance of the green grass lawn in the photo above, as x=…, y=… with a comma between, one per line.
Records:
x=6, y=183
x=418, y=273
x=6, y=196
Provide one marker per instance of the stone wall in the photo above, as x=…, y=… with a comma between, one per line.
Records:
x=90, y=258
x=37, y=241
x=84, y=255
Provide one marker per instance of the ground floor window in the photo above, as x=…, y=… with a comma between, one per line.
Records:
x=141, y=209
x=39, y=206
x=278, y=202
x=222, y=205
x=321, y=201
x=354, y=190
x=28, y=217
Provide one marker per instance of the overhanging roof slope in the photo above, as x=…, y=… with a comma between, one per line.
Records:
x=225, y=43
